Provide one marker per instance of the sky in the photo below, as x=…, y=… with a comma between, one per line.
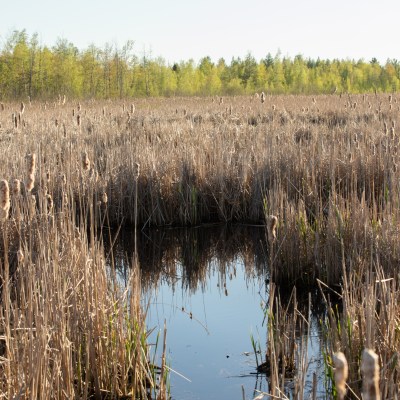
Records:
x=179, y=30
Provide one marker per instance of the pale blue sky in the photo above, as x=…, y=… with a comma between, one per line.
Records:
x=182, y=29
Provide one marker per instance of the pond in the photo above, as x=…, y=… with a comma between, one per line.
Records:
x=210, y=286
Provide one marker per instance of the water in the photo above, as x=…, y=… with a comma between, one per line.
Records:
x=210, y=287
x=209, y=333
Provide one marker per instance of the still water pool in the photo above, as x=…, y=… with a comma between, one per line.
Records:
x=210, y=287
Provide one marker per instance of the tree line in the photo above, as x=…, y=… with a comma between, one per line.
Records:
x=28, y=68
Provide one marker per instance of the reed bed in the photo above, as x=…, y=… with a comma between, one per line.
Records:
x=327, y=167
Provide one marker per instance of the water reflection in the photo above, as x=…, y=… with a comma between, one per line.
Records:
x=211, y=286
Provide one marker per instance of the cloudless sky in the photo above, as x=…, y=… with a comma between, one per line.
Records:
x=182, y=29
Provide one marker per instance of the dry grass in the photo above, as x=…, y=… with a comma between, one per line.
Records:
x=326, y=167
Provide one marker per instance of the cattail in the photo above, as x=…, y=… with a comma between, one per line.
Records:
x=273, y=107
x=221, y=100
x=341, y=374
x=79, y=107
x=78, y=120
x=30, y=181
x=56, y=122
x=20, y=256
x=16, y=187
x=32, y=205
x=85, y=161
x=272, y=222
x=63, y=180
x=4, y=199
x=104, y=198
x=385, y=127
x=132, y=108
x=50, y=203
x=262, y=97
x=15, y=120
x=370, y=372
x=136, y=170
x=390, y=98
x=2, y=106
x=22, y=109
x=31, y=163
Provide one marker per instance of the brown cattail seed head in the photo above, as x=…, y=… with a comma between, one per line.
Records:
x=20, y=256
x=16, y=187
x=136, y=170
x=50, y=203
x=341, y=374
x=31, y=158
x=370, y=372
x=30, y=181
x=4, y=199
x=78, y=120
x=272, y=222
x=262, y=97
x=85, y=161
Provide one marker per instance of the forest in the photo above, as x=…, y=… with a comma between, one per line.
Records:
x=30, y=68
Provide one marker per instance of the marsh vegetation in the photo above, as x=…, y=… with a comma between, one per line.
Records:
x=327, y=167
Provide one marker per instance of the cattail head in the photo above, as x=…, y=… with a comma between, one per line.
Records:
x=104, y=198
x=20, y=256
x=132, y=108
x=341, y=373
x=262, y=97
x=78, y=120
x=370, y=372
x=31, y=161
x=50, y=203
x=63, y=179
x=16, y=187
x=22, y=108
x=32, y=205
x=136, y=170
x=272, y=222
x=30, y=180
x=85, y=161
x=4, y=199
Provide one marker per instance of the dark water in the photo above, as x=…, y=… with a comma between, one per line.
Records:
x=211, y=286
